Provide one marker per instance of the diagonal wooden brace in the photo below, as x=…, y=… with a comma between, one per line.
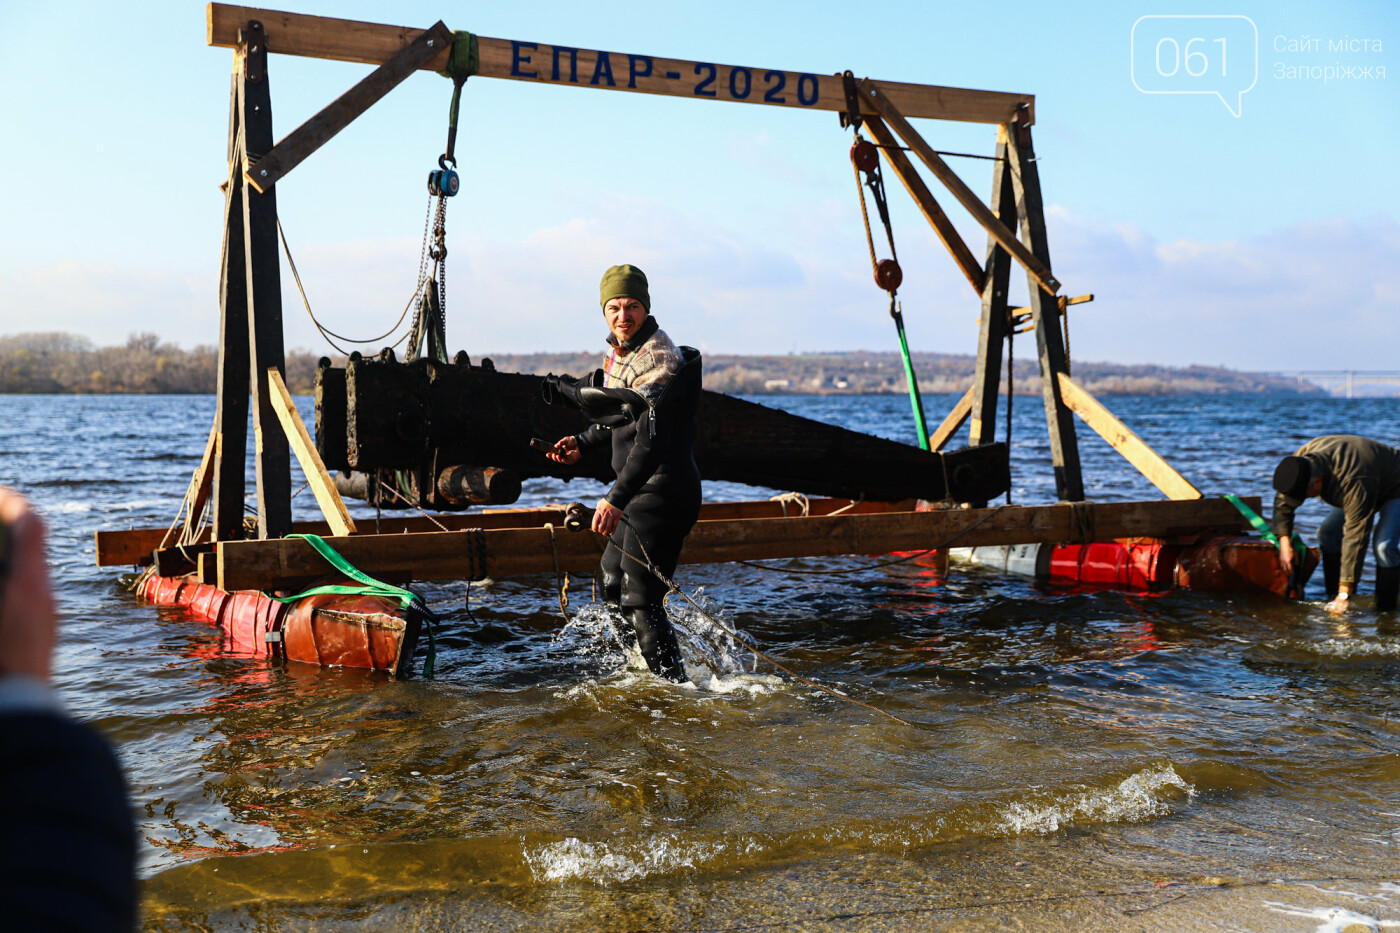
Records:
x=942, y=434
x=317, y=476
x=924, y=198
x=871, y=94
x=265, y=172
x=1122, y=439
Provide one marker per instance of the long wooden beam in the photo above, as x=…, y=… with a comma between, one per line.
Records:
x=450, y=555
x=542, y=63
x=340, y=113
x=317, y=477
x=924, y=198
x=133, y=546
x=1122, y=439
x=889, y=110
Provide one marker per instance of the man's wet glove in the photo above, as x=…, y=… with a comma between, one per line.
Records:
x=608, y=407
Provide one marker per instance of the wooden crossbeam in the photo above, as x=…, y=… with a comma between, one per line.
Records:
x=542, y=63
x=1122, y=439
x=942, y=434
x=131, y=546
x=322, y=487
x=924, y=198
x=317, y=131
x=447, y=555
x=890, y=111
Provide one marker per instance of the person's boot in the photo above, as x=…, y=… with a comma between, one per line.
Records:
x=1387, y=588
x=1332, y=572
x=657, y=641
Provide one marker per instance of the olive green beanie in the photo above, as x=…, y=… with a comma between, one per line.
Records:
x=625, y=281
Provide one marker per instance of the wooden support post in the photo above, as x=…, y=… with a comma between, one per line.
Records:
x=317, y=477
x=1045, y=312
x=448, y=555
x=231, y=413
x=263, y=270
x=1039, y=271
x=1122, y=439
x=318, y=130
x=945, y=431
x=924, y=198
x=993, y=330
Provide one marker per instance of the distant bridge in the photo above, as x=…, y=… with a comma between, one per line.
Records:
x=1345, y=382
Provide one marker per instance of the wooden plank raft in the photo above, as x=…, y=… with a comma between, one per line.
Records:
x=502, y=552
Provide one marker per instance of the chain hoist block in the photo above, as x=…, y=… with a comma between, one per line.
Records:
x=443, y=183
x=888, y=275
x=865, y=155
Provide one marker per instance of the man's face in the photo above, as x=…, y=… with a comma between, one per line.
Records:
x=1314, y=487
x=625, y=317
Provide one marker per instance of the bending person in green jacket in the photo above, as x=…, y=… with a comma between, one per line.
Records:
x=1360, y=479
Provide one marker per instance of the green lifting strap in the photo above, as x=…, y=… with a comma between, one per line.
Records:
x=369, y=586
x=462, y=62
x=1261, y=526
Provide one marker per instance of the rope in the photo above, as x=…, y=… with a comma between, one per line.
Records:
x=1064, y=321
x=874, y=179
x=1010, y=389
x=403, y=495
x=944, y=152
x=325, y=331
x=796, y=498
x=560, y=580
x=847, y=507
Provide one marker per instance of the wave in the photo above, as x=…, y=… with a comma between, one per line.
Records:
x=1142, y=796
x=1137, y=798
x=602, y=862
x=1340, y=649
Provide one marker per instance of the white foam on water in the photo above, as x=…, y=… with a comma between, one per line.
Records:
x=1334, y=919
x=1346, y=649
x=752, y=684
x=610, y=863
x=71, y=508
x=1136, y=798
x=715, y=659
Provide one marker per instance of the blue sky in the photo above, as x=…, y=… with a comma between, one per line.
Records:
x=1270, y=240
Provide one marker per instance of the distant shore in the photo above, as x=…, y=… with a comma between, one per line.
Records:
x=56, y=363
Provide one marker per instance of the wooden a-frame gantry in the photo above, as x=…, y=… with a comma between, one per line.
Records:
x=251, y=338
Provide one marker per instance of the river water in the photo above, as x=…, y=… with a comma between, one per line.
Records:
x=1079, y=759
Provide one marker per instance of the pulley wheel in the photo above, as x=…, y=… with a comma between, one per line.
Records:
x=888, y=275
x=865, y=155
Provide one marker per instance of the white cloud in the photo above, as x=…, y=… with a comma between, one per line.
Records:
x=1318, y=295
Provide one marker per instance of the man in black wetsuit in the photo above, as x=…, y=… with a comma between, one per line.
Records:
x=644, y=400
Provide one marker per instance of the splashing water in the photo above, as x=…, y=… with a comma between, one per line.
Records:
x=707, y=637
x=714, y=657
x=1138, y=797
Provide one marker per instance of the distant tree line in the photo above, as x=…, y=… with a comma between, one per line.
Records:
x=863, y=372
x=67, y=364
